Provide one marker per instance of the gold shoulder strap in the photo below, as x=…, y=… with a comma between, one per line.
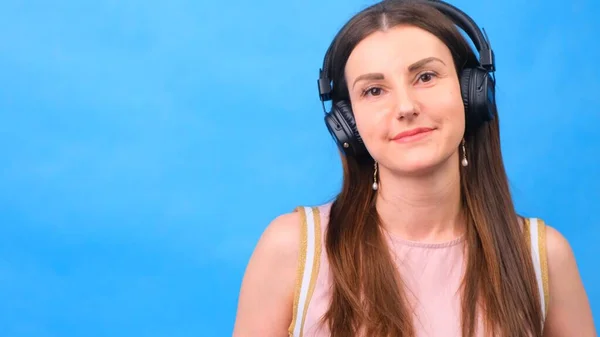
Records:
x=535, y=234
x=308, y=267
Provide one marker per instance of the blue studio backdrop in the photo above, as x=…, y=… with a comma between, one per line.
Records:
x=145, y=145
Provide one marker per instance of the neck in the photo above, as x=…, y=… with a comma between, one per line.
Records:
x=422, y=208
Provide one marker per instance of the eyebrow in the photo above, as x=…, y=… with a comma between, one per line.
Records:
x=412, y=68
x=369, y=76
x=420, y=64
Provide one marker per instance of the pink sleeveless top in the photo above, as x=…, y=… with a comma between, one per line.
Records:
x=431, y=272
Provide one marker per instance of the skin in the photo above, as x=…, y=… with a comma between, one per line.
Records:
x=401, y=79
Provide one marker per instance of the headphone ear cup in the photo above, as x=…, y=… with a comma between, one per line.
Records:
x=345, y=110
x=477, y=90
x=341, y=125
x=465, y=81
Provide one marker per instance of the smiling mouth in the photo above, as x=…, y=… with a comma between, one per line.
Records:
x=412, y=135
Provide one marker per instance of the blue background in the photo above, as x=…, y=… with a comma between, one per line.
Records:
x=145, y=145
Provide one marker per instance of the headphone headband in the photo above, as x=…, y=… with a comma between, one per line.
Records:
x=466, y=23
x=460, y=18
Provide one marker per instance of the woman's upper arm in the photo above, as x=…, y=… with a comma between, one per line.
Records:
x=266, y=295
x=569, y=312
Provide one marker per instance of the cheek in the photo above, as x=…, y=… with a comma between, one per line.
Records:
x=449, y=110
x=373, y=128
x=371, y=123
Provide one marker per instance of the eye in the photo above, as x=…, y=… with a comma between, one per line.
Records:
x=372, y=91
x=427, y=77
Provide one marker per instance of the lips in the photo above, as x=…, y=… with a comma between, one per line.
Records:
x=412, y=134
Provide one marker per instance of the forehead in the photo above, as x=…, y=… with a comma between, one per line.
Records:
x=399, y=46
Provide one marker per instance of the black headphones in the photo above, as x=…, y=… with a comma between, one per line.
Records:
x=477, y=87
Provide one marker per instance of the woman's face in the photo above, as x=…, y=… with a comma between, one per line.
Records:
x=406, y=99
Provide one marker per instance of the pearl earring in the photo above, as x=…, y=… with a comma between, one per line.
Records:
x=464, y=161
x=375, y=184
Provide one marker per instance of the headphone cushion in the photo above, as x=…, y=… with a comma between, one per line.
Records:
x=345, y=112
x=477, y=90
x=465, y=82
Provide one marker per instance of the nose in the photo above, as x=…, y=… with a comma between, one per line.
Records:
x=406, y=107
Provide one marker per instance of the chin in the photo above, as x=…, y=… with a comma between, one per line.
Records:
x=417, y=165
x=415, y=169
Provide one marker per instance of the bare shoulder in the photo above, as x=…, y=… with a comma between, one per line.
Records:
x=266, y=295
x=279, y=244
x=569, y=312
x=282, y=235
x=559, y=250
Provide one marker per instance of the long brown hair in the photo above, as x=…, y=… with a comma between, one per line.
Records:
x=499, y=282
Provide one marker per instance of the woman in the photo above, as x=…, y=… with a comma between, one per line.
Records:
x=423, y=239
